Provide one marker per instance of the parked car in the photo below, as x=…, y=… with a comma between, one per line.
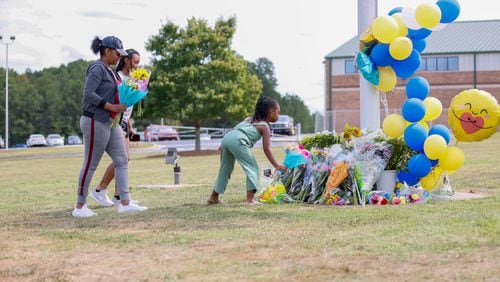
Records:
x=156, y=132
x=2, y=143
x=74, y=140
x=284, y=125
x=20, y=145
x=36, y=140
x=55, y=140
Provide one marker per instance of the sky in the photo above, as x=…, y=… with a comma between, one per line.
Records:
x=295, y=35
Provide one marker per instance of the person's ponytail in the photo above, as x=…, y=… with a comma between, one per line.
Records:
x=96, y=45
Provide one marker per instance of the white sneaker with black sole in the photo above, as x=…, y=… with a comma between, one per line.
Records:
x=131, y=207
x=101, y=197
x=83, y=212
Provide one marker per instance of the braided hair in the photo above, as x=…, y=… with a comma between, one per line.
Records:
x=264, y=104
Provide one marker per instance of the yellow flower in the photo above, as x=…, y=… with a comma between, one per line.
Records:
x=356, y=132
x=347, y=136
x=140, y=74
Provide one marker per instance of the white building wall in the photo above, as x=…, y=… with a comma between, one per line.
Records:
x=488, y=62
x=338, y=66
x=466, y=62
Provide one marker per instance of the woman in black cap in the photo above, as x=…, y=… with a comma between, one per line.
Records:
x=100, y=106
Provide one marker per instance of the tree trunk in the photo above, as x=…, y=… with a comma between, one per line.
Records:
x=197, y=143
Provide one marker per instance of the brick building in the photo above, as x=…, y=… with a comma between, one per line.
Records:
x=462, y=56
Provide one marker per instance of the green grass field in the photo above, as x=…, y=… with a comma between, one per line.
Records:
x=181, y=238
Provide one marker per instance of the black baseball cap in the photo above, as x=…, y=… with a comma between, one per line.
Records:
x=114, y=42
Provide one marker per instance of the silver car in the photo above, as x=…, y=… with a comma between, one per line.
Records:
x=36, y=140
x=2, y=143
x=55, y=140
x=74, y=140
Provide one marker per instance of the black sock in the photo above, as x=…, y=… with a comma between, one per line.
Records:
x=117, y=197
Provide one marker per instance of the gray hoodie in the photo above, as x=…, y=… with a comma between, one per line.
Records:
x=100, y=87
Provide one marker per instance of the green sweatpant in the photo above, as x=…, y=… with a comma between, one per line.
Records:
x=235, y=146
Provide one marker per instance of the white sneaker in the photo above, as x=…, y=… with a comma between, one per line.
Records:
x=131, y=207
x=116, y=202
x=83, y=212
x=101, y=197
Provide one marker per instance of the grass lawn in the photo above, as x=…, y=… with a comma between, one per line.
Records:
x=180, y=238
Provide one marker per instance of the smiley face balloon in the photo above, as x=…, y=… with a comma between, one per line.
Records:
x=473, y=115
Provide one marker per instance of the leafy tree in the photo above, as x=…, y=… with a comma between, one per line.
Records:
x=294, y=106
x=291, y=104
x=264, y=69
x=197, y=77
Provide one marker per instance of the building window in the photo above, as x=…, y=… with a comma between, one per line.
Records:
x=349, y=67
x=453, y=63
x=439, y=64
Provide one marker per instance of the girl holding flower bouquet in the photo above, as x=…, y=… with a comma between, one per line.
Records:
x=100, y=106
x=237, y=145
x=124, y=68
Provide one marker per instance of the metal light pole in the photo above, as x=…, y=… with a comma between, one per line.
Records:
x=10, y=41
x=369, y=102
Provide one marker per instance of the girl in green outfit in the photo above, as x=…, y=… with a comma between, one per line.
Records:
x=237, y=145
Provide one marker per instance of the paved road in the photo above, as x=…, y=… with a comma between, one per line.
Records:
x=213, y=144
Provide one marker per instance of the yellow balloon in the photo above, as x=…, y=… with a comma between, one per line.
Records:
x=452, y=159
x=430, y=181
x=400, y=48
x=433, y=108
x=473, y=115
x=387, y=79
x=385, y=29
x=394, y=125
x=428, y=15
x=435, y=146
x=402, y=28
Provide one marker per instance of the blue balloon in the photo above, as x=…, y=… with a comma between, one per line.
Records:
x=405, y=176
x=395, y=10
x=414, y=136
x=450, y=9
x=381, y=56
x=419, y=44
x=419, y=166
x=417, y=87
x=418, y=33
x=434, y=162
x=408, y=66
x=442, y=130
x=413, y=110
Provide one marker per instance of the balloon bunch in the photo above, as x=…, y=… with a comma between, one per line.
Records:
x=391, y=48
x=432, y=144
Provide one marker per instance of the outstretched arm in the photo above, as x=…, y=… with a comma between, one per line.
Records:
x=266, y=145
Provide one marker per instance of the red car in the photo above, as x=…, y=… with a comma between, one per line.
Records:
x=156, y=132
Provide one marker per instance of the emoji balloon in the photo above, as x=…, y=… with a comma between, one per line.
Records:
x=474, y=115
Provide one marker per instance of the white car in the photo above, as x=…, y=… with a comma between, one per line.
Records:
x=36, y=140
x=74, y=140
x=55, y=140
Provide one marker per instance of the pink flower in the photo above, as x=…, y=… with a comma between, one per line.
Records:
x=301, y=147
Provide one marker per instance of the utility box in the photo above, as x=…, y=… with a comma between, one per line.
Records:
x=171, y=157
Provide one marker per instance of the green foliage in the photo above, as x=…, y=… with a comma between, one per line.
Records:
x=45, y=102
x=321, y=140
x=291, y=104
x=400, y=153
x=197, y=76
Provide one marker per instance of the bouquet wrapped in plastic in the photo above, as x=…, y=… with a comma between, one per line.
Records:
x=316, y=186
x=133, y=90
x=274, y=192
x=370, y=160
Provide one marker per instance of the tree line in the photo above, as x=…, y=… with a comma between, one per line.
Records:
x=197, y=79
